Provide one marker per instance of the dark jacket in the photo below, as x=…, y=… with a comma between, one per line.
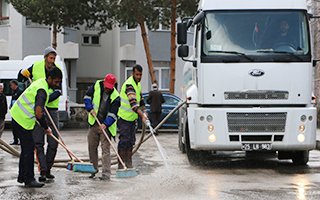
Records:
x=15, y=95
x=155, y=99
x=108, y=107
x=3, y=106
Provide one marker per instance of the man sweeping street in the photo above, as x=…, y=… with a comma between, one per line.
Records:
x=39, y=70
x=28, y=109
x=102, y=100
x=132, y=107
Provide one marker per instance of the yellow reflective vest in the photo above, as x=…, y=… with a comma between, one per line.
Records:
x=96, y=104
x=39, y=71
x=125, y=110
x=22, y=110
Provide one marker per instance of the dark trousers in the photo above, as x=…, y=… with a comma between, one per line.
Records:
x=155, y=118
x=46, y=160
x=14, y=133
x=26, y=161
x=127, y=134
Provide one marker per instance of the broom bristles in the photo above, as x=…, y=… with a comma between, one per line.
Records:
x=83, y=167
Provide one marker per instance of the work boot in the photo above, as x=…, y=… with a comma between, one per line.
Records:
x=49, y=175
x=122, y=154
x=20, y=180
x=34, y=184
x=43, y=176
x=14, y=143
x=92, y=175
x=104, y=177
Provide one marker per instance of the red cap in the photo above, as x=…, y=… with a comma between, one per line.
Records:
x=109, y=81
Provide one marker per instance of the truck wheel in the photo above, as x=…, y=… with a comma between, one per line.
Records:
x=300, y=157
x=182, y=147
x=195, y=157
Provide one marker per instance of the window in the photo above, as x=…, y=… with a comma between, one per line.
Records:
x=86, y=39
x=169, y=100
x=95, y=39
x=90, y=39
x=163, y=77
x=4, y=12
x=256, y=36
x=128, y=72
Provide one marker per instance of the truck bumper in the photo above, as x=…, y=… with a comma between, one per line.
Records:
x=284, y=128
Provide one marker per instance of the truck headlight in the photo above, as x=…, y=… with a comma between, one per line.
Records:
x=209, y=118
x=301, y=137
x=212, y=138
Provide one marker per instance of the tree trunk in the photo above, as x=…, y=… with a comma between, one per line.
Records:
x=173, y=46
x=146, y=48
x=54, y=35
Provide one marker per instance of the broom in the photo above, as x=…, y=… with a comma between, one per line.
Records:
x=54, y=125
x=120, y=173
x=79, y=166
x=75, y=166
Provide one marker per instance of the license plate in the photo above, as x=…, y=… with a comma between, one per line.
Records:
x=256, y=147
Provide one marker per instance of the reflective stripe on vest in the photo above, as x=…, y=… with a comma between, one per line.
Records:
x=38, y=71
x=125, y=110
x=23, y=110
x=96, y=104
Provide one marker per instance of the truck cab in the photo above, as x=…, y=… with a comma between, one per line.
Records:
x=249, y=80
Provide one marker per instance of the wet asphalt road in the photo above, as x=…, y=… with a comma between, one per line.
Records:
x=225, y=176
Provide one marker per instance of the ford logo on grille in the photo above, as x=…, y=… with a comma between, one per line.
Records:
x=256, y=72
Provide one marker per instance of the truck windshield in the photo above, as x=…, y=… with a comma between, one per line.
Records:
x=255, y=36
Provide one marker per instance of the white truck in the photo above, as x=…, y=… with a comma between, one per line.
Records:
x=9, y=70
x=249, y=80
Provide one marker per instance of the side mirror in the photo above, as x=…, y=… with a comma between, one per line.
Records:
x=183, y=51
x=182, y=33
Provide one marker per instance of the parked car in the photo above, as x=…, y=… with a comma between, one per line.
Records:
x=171, y=101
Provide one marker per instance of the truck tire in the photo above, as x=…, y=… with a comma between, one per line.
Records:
x=195, y=157
x=182, y=147
x=300, y=157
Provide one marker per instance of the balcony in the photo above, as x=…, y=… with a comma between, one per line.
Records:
x=4, y=20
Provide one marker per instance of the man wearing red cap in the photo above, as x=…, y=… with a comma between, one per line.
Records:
x=102, y=100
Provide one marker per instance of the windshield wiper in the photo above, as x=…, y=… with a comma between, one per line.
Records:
x=281, y=52
x=235, y=53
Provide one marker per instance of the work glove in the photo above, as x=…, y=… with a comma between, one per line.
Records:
x=25, y=73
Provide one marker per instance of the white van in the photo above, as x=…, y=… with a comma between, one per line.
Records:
x=9, y=70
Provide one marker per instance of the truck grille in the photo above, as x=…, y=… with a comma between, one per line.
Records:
x=257, y=95
x=256, y=122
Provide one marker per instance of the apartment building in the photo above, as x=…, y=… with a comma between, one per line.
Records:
x=89, y=55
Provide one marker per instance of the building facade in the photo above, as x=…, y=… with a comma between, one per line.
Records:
x=89, y=55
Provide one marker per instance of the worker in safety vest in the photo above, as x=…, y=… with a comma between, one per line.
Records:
x=28, y=109
x=102, y=100
x=40, y=69
x=132, y=107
